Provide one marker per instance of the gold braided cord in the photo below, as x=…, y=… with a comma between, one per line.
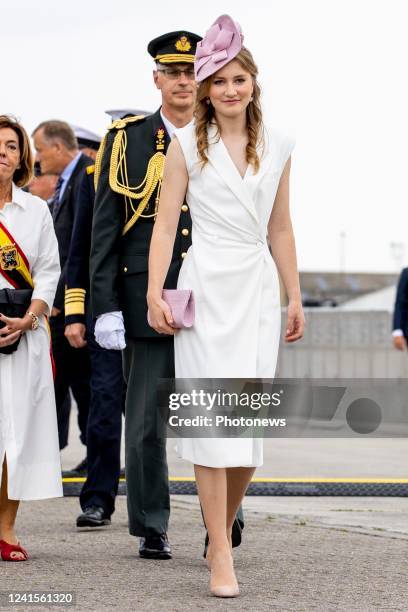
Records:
x=153, y=178
x=119, y=180
x=169, y=58
x=118, y=124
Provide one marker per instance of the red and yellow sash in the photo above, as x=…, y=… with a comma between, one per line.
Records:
x=15, y=268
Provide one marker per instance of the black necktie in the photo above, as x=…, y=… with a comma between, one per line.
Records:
x=56, y=199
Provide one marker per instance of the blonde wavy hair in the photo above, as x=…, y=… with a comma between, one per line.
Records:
x=204, y=114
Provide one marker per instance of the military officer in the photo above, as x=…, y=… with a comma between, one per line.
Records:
x=128, y=174
x=98, y=493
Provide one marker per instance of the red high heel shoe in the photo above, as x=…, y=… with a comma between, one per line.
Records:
x=7, y=550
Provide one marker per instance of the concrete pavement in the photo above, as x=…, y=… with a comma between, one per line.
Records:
x=287, y=562
x=298, y=554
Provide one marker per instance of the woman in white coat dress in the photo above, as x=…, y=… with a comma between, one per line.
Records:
x=29, y=451
x=235, y=176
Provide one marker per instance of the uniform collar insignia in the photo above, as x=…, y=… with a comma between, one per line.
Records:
x=160, y=138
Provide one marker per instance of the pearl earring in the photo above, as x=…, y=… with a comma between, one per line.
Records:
x=207, y=100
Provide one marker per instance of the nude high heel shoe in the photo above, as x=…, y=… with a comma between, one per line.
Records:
x=225, y=590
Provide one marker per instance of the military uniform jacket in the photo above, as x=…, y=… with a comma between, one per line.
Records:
x=77, y=268
x=63, y=224
x=121, y=239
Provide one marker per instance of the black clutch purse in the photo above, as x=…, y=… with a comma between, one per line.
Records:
x=13, y=303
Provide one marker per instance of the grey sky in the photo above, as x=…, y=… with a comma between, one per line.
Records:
x=333, y=74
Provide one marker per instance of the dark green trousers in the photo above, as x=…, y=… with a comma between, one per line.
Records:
x=145, y=361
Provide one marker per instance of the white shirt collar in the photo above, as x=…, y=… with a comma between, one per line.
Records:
x=68, y=170
x=170, y=128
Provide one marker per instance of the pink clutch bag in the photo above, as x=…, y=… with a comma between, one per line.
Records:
x=181, y=303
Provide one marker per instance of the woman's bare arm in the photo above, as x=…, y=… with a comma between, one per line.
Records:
x=172, y=196
x=282, y=241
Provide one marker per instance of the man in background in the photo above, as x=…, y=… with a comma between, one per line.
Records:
x=400, y=319
x=97, y=497
x=43, y=185
x=88, y=142
x=58, y=153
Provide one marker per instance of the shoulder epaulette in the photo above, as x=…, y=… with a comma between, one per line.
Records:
x=120, y=124
x=90, y=169
x=136, y=197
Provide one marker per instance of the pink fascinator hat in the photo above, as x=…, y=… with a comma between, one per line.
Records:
x=222, y=42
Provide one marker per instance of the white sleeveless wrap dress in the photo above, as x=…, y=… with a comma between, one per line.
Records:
x=234, y=279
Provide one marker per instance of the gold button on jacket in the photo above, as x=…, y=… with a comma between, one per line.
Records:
x=185, y=232
x=184, y=208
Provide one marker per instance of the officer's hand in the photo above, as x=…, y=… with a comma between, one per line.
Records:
x=75, y=334
x=110, y=331
x=399, y=343
x=159, y=316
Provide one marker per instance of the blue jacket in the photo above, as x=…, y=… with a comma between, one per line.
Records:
x=400, y=320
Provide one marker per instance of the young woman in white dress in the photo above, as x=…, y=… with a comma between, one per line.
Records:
x=235, y=175
x=29, y=452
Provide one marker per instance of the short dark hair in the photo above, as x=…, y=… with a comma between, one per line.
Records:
x=24, y=173
x=58, y=130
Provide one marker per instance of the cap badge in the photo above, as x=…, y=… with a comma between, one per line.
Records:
x=183, y=44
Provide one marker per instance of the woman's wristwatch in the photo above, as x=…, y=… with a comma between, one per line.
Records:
x=35, y=321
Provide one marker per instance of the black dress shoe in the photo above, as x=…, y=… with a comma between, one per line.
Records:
x=155, y=547
x=236, y=537
x=93, y=516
